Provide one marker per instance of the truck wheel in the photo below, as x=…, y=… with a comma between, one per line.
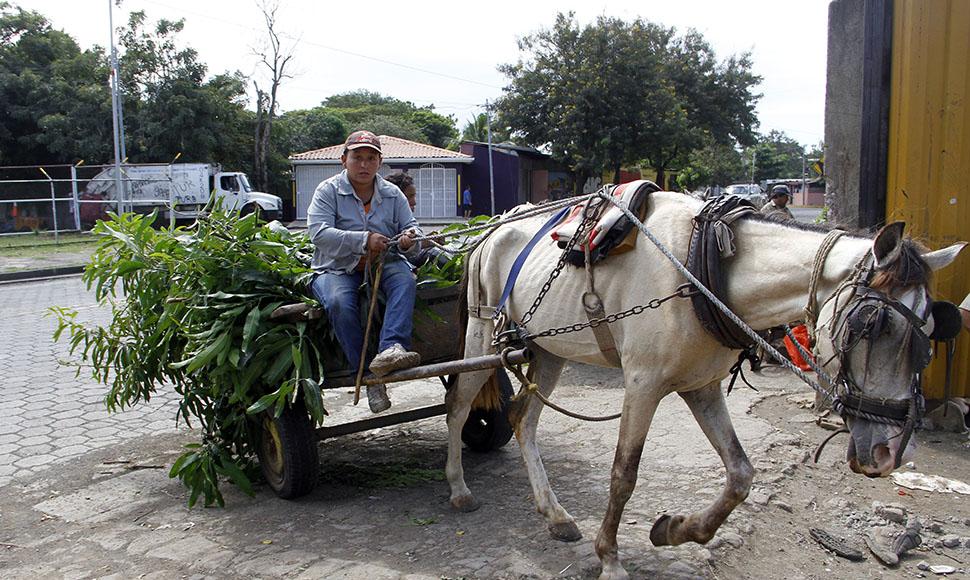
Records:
x=489, y=430
x=288, y=454
x=251, y=208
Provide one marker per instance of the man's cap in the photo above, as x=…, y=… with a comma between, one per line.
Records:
x=779, y=190
x=359, y=139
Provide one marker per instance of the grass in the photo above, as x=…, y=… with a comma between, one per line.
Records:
x=41, y=250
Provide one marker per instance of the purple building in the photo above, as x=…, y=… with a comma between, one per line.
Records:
x=521, y=174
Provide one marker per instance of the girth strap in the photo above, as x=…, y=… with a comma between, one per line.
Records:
x=710, y=241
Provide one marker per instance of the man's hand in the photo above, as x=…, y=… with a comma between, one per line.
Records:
x=427, y=243
x=406, y=240
x=376, y=243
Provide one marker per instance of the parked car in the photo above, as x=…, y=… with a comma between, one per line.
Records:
x=749, y=191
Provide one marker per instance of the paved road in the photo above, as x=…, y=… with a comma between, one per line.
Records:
x=806, y=214
x=47, y=415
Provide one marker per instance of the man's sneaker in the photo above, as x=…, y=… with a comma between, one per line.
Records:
x=393, y=358
x=377, y=398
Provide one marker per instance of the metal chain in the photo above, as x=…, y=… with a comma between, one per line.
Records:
x=589, y=219
x=682, y=292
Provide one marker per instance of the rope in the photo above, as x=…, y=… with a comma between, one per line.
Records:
x=811, y=309
x=530, y=388
x=492, y=224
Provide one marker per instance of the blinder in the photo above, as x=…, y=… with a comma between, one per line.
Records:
x=946, y=321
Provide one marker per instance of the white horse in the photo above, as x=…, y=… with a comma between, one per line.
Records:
x=666, y=350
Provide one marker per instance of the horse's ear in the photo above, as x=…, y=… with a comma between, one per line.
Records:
x=888, y=244
x=943, y=258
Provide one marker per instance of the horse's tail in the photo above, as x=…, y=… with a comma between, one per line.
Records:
x=490, y=395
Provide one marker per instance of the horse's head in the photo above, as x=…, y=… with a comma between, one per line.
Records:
x=874, y=338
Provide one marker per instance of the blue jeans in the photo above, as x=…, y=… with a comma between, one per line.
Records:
x=338, y=293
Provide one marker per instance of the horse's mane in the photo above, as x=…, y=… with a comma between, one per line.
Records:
x=909, y=270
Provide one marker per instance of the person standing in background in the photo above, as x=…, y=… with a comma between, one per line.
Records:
x=466, y=202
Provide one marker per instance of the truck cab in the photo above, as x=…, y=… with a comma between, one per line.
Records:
x=235, y=192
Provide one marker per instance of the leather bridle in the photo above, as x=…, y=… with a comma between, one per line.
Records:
x=862, y=320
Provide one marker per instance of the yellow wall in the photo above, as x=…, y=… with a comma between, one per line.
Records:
x=928, y=178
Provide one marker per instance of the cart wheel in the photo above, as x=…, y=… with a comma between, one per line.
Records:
x=489, y=430
x=288, y=454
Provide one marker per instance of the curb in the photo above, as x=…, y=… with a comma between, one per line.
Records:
x=31, y=275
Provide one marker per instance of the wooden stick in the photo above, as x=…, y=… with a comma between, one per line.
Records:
x=375, y=288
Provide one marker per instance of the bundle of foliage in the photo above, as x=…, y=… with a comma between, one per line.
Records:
x=190, y=310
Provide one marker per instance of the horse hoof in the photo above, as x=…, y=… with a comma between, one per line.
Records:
x=465, y=504
x=565, y=532
x=660, y=532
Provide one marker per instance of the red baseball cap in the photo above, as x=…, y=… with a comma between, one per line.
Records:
x=359, y=139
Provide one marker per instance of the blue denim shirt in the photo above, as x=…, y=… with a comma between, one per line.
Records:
x=338, y=226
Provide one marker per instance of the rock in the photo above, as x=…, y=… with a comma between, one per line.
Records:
x=892, y=513
x=942, y=569
x=922, y=565
x=881, y=552
x=704, y=555
x=934, y=527
x=746, y=528
x=732, y=539
x=680, y=570
x=783, y=506
x=950, y=541
x=760, y=498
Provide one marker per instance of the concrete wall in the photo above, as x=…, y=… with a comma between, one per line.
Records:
x=843, y=110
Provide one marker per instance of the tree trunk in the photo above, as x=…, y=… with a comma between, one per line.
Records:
x=616, y=173
x=661, y=177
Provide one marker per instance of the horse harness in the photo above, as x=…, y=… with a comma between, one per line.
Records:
x=862, y=320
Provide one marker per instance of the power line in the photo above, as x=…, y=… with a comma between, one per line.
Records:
x=327, y=47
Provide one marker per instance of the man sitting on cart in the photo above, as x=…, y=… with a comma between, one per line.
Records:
x=353, y=216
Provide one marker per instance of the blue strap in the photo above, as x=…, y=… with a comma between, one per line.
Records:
x=523, y=254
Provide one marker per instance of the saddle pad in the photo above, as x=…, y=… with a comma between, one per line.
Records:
x=612, y=233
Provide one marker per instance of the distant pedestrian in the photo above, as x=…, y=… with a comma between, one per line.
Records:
x=777, y=207
x=466, y=202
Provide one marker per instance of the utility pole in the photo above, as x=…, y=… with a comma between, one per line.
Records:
x=115, y=110
x=491, y=174
x=804, y=182
x=754, y=156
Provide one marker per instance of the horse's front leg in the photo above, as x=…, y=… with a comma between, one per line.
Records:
x=458, y=403
x=639, y=406
x=707, y=405
x=546, y=369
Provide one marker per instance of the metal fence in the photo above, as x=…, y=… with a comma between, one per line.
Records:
x=70, y=198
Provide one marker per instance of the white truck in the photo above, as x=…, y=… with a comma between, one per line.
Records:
x=186, y=187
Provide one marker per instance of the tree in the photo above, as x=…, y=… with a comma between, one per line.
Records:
x=364, y=109
x=476, y=129
x=169, y=107
x=776, y=156
x=308, y=129
x=275, y=58
x=56, y=104
x=614, y=92
x=713, y=164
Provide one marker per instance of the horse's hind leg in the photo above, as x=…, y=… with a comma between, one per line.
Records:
x=546, y=369
x=459, y=401
x=638, y=410
x=707, y=405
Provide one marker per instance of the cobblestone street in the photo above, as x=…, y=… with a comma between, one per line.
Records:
x=47, y=415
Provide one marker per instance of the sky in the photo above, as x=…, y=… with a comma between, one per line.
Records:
x=446, y=54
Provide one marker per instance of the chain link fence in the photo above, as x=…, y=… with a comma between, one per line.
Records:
x=57, y=199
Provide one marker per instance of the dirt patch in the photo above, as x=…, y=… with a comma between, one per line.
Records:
x=381, y=508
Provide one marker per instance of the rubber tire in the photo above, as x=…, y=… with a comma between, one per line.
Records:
x=288, y=454
x=486, y=431
x=252, y=208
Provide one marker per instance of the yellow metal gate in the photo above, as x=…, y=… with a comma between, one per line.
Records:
x=928, y=181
